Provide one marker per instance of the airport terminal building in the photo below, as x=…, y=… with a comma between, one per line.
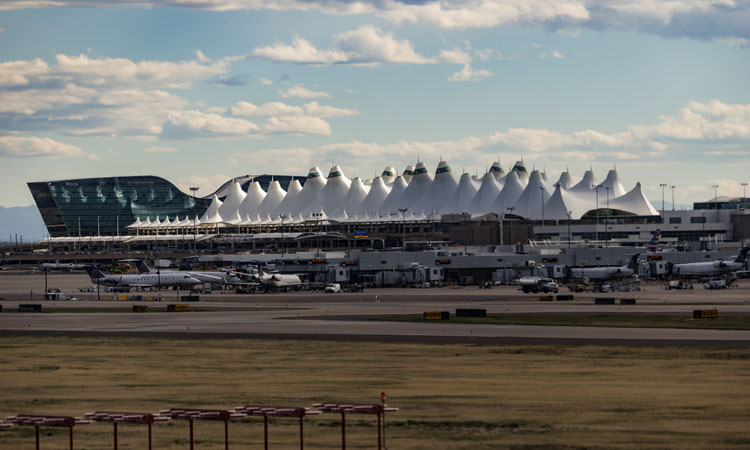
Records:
x=417, y=206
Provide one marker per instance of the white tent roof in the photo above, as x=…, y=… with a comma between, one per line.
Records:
x=439, y=191
x=389, y=174
x=408, y=173
x=509, y=196
x=212, y=213
x=418, y=185
x=135, y=224
x=378, y=193
x=308, y=199
x=562, y=201
x=486, y=195
x=565, y=180
x=233, y=219
x=584, y=186
x=612, y=181
x=536, y=193
x=523, y=175
x=232, y=201
x=333, y=194
x=288, y=199
x=462, y=196
x=391, y=202
x=357, y=193
x=634, y=202
x=497, y=170
x=253, y=199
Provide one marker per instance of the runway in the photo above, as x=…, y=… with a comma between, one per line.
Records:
x=307, y=315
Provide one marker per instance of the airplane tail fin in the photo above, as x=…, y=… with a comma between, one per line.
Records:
x=93, y=272
x=742, y=256
x=633, y=264
x=653, y=244
x=260, y=269
x=142, y=266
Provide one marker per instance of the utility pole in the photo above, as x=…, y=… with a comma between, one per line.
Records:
x=672, y=197
x=662, y=185
x=596, y=229
x=511, y=208
x=542, y=198
x=716, y=191
x=403, y=227
x=606, y=225
x=194, y=189
x=569, y=237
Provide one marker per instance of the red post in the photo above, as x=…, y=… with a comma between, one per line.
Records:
x=301, y=438
x=265, y=430
x=37, y=436
x=379, y=428
x=115, y=424
x=149, y=436
x=343, y=430
x=191, y=433
x=226, y=434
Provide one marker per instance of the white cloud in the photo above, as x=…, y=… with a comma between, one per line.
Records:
x=281, y=109
x=34, y=147
x=298, y=125
x=722, y=125
x=698, y=19
x=302, y=92
x=158, y=149
x=469, y=74
x=455, y=56
x=266, y=82
x=196, y=123
x=367, y=45
x=554, y=54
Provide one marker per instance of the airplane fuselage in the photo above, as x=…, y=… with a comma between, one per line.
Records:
x=706, y=269
x=148, y=279
x=602, y=273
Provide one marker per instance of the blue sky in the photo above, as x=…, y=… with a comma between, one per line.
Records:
x=231, y=87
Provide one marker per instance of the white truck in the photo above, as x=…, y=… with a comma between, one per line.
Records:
x=333, y=288
x=537, y=284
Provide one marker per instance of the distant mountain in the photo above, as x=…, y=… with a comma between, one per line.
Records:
x=22, y=221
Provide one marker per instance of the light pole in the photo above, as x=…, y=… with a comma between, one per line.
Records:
x=511, y=208
x=403, y=227
x=703, y=213
x=569, y=218
x=596, y=229
x=283, y=216
x=716, y=191
x=317, y=217
x=662, y=185
x=672, y=197
x=194, y=189
x=606, y=226
x=542, y=198
x=744, y=191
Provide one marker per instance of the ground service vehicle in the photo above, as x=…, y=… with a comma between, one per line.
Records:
x=537, y=284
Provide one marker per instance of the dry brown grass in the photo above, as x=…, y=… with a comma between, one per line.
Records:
x=451, y=396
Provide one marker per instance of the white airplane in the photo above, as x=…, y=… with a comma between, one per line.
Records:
x=606, y=273
x=203, y=277
x=713, y=268
x=278, y=280
x=142, y=280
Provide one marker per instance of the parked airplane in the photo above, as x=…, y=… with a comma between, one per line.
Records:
x=142, y=280
x=606, y=273
x=278, y=280
x=713, y=268
x=203, y=277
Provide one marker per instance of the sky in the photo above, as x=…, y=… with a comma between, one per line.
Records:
x=202, y=91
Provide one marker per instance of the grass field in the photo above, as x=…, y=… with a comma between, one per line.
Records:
x=451, y=396
x=598, y=320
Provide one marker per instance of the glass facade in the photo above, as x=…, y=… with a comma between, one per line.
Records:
x=98, y=206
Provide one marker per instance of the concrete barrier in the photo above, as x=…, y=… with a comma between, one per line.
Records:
x=565, y=298
x=473, y=312
x=29, y=307
x=627, y=301
x=190, y=298
x=545, y=298
x=604, y=301
x=140, y=308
